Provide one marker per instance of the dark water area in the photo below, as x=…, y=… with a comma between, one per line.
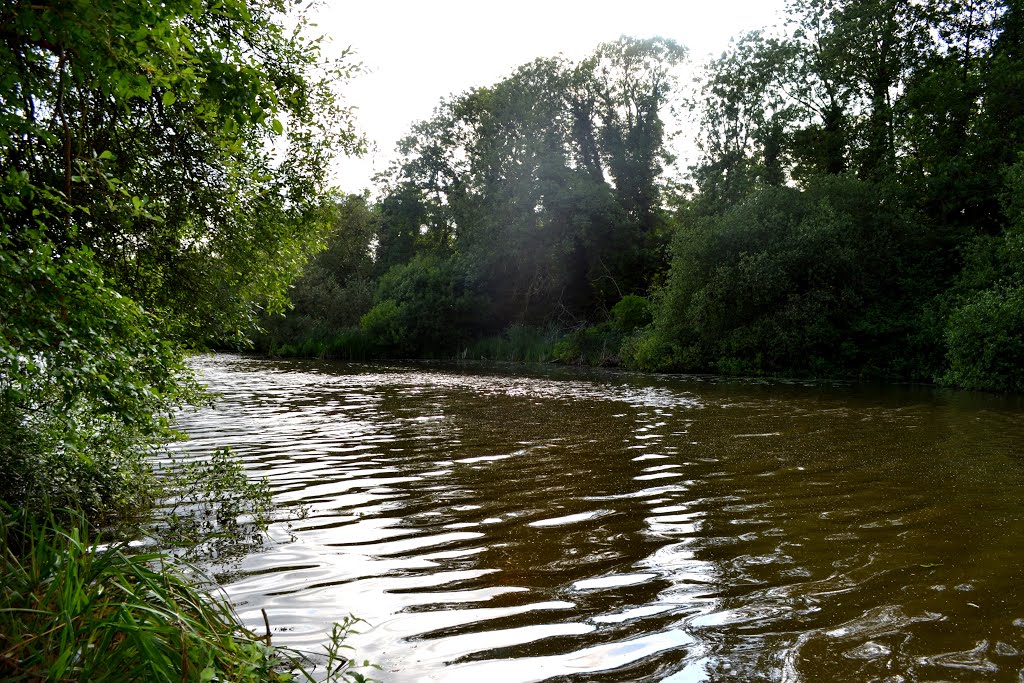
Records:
x=515, y=524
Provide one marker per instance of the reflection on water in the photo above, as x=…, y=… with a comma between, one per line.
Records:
x=609, y=527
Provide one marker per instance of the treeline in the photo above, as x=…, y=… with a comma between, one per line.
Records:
x=856, y=210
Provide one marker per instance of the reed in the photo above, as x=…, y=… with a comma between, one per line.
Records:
x=72, y=609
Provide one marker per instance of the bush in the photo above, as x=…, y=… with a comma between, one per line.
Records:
x=824, y=281
x=602, y=344
x=87, y=384
x=985, y=341
x=631, y=313
x=211, y=507
x=591, y=345
x=384, y=327
x=424, y=307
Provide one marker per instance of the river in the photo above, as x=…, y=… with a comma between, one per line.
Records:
x=511, y=524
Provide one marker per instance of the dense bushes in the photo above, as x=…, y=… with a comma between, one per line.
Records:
x=87, y=383
x=821, y=281
x=424, y=307
x=334, y=291
x=985, y=338
x=601, y=344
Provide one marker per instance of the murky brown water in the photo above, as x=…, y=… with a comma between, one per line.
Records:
x=493, y=526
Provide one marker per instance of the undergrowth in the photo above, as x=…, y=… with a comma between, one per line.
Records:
x=73, y=609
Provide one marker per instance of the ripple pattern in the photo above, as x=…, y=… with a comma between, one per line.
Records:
x=599, y=526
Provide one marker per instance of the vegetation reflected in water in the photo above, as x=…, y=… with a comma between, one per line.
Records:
x=607, y=526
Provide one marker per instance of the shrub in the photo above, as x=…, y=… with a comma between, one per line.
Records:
x=384, y=327
x=826, y=280
x=632, y=312
x=423, y=307
x=985, y=341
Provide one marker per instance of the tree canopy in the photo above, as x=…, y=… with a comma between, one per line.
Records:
x=851, y=211
x=162, y=180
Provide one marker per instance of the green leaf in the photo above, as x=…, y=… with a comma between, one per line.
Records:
x=169, y=98
x=277, y=126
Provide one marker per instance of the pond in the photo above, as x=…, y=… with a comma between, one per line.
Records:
x=504, y=523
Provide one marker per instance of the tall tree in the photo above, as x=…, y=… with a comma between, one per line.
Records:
x=142, y=206
x=547, y=183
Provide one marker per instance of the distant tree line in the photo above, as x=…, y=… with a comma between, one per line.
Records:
x=856, y=210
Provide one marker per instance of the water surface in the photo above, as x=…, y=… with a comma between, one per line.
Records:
x=491, y=525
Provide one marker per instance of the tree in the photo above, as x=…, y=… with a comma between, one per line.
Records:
x=546, y=184
x=144, y=132
x=337, y=284
x=142, y=207
x=825, y=280
x=745, y=118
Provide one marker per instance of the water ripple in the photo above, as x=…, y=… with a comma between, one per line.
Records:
x=603, y=527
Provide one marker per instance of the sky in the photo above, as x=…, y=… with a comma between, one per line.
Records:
x=416, y=53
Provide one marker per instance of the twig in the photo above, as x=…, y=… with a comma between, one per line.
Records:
x=266, y=622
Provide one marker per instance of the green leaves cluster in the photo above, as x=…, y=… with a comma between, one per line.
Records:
x=162, y=175
x=87, y=383
x=851, y=217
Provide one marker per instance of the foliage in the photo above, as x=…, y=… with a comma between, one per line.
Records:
x=334, y=291
x=162, y=180
x=384, y=326
x=211, y=508
x=142, y=208
x=602, y=344
x=984, y=331
x=985, y=338
x=423, y=307
x=72, y=609
x=918, y=100
x=852, y=211
x=144, y=131
x=546, y=184
x=632, y=312
x=590, y=345
x=795, y=281
x=86, y=383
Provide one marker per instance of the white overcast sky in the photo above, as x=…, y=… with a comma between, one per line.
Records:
x=416, y=53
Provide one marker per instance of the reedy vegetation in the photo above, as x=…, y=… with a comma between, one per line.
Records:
x=855, y=210
x=75, y=611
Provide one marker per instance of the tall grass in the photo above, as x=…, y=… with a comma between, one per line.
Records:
x=346, y=344
x=74, y=610
x=519, y=343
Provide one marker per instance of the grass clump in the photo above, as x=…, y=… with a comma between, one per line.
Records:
x=72, y=609
x=519, y=343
